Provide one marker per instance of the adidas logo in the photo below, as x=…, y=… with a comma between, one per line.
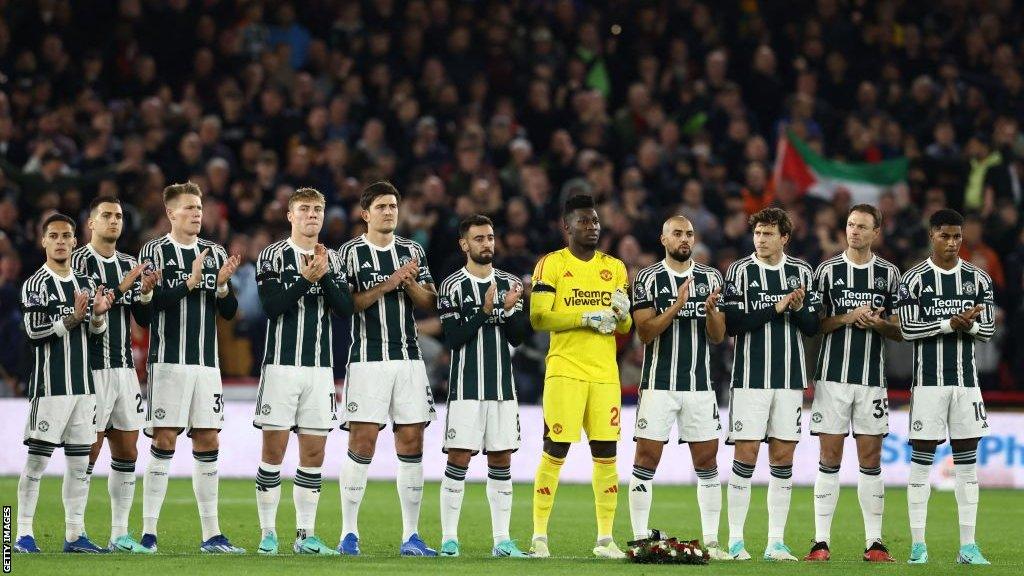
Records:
x=53, y=297
x=840, y=282
x=928, y=289
x=567, y=274
x=469, y=300
x=612, y=490
x=545, y=491
x=171, y=262
x=640, y=488
x=365, y=265
x=664, y=290
x=290, y=267
x=755, y=284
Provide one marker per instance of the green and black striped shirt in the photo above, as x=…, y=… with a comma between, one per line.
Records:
x=850, y=354
x=298, y=313
x=183, y=324
x=113, y=349
x=679, y=358
x=61, y=365
x=386, y=330
x=928, y=297
x=481, y=344
x=769, y=351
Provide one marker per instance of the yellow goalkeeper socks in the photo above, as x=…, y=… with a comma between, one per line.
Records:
x=545, y=484
x=606, y=494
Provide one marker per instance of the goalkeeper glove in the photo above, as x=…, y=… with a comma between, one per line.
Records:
x=602, y=321
x=620, y=305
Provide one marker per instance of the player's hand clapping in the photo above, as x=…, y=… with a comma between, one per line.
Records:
x=711, y=304
x=684, y=295
x=489, y=296
x=313, y=269
x=796, y=301
x=512, y=297
x=228, y=269
x=103, y=301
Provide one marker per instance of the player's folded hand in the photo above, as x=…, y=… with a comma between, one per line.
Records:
x=620, y=305
x=602, y=321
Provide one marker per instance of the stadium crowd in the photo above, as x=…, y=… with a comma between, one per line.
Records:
x=506, y=109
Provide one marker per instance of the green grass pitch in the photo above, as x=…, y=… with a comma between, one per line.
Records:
x=571, y=533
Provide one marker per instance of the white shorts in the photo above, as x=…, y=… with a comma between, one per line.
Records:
x=296, y=398
x=62, y=420
x=938, y=412
x=488, y=425
x=389, y=389
x=694, y=414
x=184, y=396
x=837, y=405
x=118, y=400
x=756, y=414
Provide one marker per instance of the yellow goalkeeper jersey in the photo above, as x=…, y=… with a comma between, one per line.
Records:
x=564, y=287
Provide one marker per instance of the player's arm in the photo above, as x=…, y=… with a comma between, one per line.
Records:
x=99, y=304
x=459, y=329
x=831, y=321
x=423, y=296
x=515, y=321
x=804, y=308
x=620, y=302
x=911, y=325
x=226, y=301
x=650, y=324
x=274, y=297
x=542, y=315
x=983, y=326
x=889, y=327
x=738, y=319
x=363, y=299
x=131, y=280
x=517, y=327
x=336, y=292
x=163, y=297
x=420, y=288
x=38, y=326
x=141, y=311
x=715, y=318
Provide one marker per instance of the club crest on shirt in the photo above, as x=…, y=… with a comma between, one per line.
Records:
x=209, y=262
x=703, y=289
x=793, y=281
x=968, y=287
x=881, y=283
x=606, y=275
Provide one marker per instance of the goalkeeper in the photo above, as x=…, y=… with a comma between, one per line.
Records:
x=579, y=295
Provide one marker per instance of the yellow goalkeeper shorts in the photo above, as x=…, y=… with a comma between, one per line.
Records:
x=571, y=405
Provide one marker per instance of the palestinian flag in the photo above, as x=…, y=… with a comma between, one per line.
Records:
x=810, y=173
